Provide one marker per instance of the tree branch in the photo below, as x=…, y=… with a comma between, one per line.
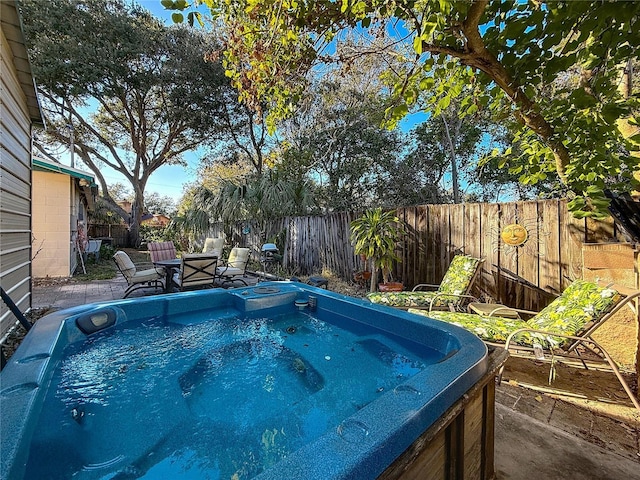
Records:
x=477, y=56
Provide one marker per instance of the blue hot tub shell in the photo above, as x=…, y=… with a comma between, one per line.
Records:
x=361, y=446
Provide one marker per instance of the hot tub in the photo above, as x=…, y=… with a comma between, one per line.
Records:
x=281, y=380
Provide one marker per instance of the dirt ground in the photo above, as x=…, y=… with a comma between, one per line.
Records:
x=15, y=338
x=597, y=389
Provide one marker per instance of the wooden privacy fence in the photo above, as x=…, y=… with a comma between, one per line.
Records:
x=119, y=234
x=308, y=244
x=523, y=276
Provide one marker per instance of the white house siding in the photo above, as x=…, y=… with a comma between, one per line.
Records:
x=18, y=109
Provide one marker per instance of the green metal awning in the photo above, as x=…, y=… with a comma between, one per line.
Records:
x=42, y=165
x=87, y=181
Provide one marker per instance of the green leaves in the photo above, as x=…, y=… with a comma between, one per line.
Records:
x=175, y=4
x=152, y=95
x=394, y=114
x=193, y=16
x=375, y=235
x=417, y=45
x=551, y=66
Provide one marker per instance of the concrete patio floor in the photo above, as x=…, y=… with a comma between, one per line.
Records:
x=537, y=436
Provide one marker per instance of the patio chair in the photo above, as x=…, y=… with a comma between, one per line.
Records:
x=235, y=266
x=213, y=246
x=137, y=279
x=197, y=270
x=162, y=251
x=452, y=293
x=558, y=330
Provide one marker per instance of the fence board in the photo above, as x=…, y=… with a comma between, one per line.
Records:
x=457, y=233
x=490, y=280
x=431, y=250
x=118, y=234
x=445, y=254
x=473, y=232
x=573, y=235
x=550, y=246
x=437, y=242
x=409, y=246
x=422, y=225
x=508, y=260
x=529, y=255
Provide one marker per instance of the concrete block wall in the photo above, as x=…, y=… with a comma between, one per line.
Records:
x=51, y=224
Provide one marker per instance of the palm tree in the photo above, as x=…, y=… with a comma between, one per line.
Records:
x=259, y=199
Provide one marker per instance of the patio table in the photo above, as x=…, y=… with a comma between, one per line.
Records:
x=169, y=266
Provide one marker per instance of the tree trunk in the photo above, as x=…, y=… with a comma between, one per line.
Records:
x=454, y=165
x=627, y=129
x=374, y=278
x=134, y=235
x=137, y=210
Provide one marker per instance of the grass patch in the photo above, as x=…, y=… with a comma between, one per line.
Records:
x=141, y=258
x=105, y=268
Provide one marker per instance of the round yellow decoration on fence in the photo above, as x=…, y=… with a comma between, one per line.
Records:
x=514, y=235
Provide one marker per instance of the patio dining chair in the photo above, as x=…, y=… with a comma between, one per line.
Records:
x=162, y=251
x=558, y=330
x=197, y=270
x=235, y=267
x=452, y=293
x=213, y=246
x=137, y=279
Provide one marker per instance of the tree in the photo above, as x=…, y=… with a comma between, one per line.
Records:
x=136, y=94
x=375, y=235
x=213, y=173
x=160, y=204
x=416, y=177
x=336, y=136
x=512, y=52
x=120, y=192
x=496, y=178
x=248, y=134
x=103, y=214
x=454, y=142
x=412, y=179
x=340, y=143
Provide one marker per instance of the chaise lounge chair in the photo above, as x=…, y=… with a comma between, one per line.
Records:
x=452, y=294
x=135, y=278
x=559, y=329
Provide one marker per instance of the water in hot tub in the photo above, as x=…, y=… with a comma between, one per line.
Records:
x=208, y=399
